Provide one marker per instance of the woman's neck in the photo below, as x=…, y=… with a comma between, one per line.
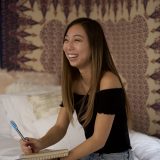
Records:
x=85, y=80
x=85, y=76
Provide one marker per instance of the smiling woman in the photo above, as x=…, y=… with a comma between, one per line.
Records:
x=92, y=87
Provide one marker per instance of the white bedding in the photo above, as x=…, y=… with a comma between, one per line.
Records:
x=145, y=147
x=9, y=148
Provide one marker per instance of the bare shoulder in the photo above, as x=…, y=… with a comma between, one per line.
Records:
x=109, y=80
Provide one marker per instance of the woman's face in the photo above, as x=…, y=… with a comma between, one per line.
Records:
x=76, y=47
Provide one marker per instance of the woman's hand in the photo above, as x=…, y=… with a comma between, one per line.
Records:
x=30, y=145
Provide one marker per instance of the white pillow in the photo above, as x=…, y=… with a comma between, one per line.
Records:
x=18, y=109
x=44, y=104
x=4, y=127
x=26, y=109
x=145, y=147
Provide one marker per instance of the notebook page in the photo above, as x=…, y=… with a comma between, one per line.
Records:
x=46, y=155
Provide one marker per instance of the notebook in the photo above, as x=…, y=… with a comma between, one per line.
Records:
x=45, y=155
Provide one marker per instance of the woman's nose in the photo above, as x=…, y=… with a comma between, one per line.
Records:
x=70, y=45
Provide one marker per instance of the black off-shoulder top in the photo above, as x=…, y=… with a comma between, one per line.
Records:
x=108, y=101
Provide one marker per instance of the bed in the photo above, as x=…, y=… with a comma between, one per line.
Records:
x=33, y=105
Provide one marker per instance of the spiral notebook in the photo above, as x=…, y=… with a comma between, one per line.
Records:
x=45, y=155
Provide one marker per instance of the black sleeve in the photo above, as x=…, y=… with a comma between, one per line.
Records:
x=110, y=101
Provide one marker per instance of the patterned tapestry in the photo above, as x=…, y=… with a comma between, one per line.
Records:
x=31, y=39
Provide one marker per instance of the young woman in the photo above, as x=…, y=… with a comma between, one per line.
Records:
x=92, y=87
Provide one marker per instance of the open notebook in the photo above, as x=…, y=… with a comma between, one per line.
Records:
x=45, y=155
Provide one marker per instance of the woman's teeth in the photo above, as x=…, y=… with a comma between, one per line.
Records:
x=72, y=55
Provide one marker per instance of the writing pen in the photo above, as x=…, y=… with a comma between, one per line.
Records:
x=14, y=125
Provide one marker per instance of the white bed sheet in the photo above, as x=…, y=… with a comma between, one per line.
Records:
x=145, y=147
x=9, y=148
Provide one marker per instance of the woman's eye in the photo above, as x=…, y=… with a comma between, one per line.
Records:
x=78, y=40
x=65, y=40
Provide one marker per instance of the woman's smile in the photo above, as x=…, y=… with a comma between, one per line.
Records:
x=70, y=56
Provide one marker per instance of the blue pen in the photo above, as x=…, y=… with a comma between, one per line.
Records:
x=14, y=125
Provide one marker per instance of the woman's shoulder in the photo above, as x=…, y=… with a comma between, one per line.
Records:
x=109, y=80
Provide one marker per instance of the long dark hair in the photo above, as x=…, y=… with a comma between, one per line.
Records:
x=101, y=61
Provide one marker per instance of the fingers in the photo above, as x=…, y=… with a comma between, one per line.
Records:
x=30, y=145
x=26, y=146
x=27, y=150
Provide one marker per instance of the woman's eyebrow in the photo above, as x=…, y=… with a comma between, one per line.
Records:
x=76, y=35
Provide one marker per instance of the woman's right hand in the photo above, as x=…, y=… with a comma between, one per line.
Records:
x=30, y=145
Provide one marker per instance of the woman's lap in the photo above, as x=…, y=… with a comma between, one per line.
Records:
x=112, y=156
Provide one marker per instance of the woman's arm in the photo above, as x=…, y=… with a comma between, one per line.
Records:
x=102, y=129
x=58, y=131
x=55, y=134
